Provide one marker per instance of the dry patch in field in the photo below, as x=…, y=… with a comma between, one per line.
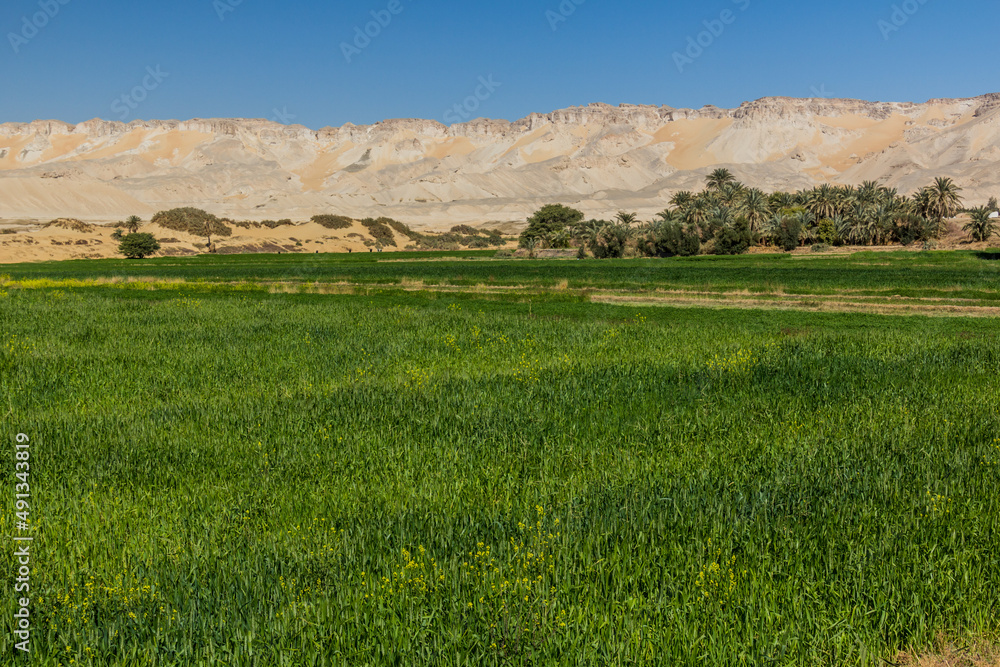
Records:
x=950, y=654
x=815, y=303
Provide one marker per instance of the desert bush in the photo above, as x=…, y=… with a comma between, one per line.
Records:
x=380, y=231
x=333, y=221
x=192, y=221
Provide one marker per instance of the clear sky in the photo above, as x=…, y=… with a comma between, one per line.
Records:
x=74, y=60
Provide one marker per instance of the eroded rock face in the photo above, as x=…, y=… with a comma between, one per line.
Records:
x=598, y=157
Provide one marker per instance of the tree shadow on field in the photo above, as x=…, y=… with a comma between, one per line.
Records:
x=989, y=255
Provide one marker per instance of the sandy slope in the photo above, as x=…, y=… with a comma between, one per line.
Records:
x=599, y=158
x=34, y=243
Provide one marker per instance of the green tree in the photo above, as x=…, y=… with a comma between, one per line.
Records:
x=943, y=200
x=132, y=223
x=734, y=239
x=548, y=219
x=719, y=178
x=755, y=208
x=682, y=199
x=626, y=218
x=789, y=232
x=823, y=201
x=826, y=232
x=981, y=226
x=611, y=242
x=532, y=243
x=672, y=239
x=138, y=246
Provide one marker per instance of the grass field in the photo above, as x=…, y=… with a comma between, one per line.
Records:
x=223, y=473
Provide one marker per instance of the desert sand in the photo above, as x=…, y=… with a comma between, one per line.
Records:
x=74, y=239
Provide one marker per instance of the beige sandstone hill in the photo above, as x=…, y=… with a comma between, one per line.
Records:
x=599, y=158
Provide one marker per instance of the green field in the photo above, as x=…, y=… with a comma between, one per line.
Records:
x=228, y=473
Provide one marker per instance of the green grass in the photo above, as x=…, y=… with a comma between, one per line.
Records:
x=916, y=274
x=232, y=477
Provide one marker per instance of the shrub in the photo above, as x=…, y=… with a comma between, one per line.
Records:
x=910, y=229
x=826, y=232
x=381, y=232
x=672, y=240
x=611, y=242
x=192, y=221
x=333, y=221
x=733, y=239
x=138, y=246
x=789, y=233
x=549, y=219
x=73, y=224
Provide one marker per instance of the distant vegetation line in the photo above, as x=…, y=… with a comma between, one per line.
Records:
x=728, y=218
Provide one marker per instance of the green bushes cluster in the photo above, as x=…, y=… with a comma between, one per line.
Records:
x=192, y=221
x=673, y=240
x=333, y=221
x=380, y=231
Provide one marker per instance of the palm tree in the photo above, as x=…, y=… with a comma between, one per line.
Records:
x=943, y=200
x=981, y=226
x=755, y=208
x=699, y=210
x=627, y=219
x=559, y=239
x=731, y=193
x=132, y=223
x=531, y=243
x=718, y=178
x=590, y=231
x=780, y=200
x=681, y=199
x=868, y=192
x=823, y=201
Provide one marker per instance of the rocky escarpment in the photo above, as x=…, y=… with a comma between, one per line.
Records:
x=598, y=157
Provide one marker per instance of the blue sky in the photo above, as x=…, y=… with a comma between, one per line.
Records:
x=78, y=59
